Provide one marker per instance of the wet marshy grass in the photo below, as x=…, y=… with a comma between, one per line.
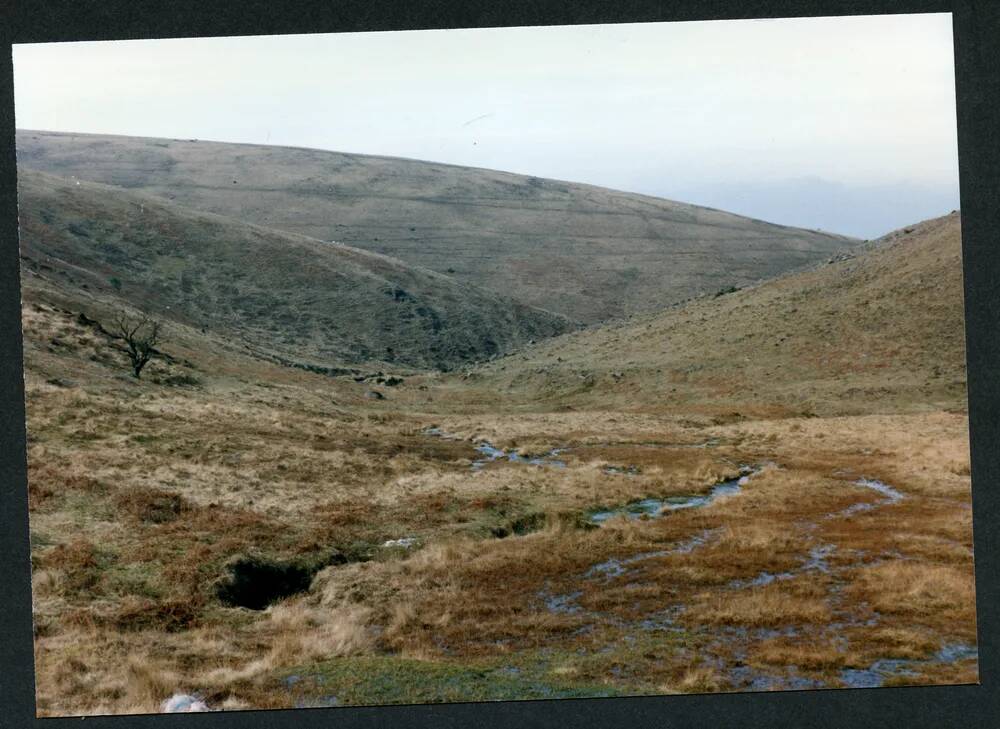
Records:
x=463, y=583
x=729, y=577
x=393, y=680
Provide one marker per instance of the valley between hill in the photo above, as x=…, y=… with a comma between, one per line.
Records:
x=758, y=490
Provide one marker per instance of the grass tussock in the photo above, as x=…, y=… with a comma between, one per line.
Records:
x=151, y=505
x=901, y=642
x=762, y=607
x=700, y=680
x=915, y=589
x=816, y=656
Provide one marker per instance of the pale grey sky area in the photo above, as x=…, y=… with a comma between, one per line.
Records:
x=845, y=124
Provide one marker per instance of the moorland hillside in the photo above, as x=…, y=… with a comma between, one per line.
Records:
x=279, y=294
x=874, y=330
x=588, y=253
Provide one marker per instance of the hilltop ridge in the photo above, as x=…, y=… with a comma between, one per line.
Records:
x=588, y=253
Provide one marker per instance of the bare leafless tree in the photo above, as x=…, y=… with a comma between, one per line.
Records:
x=140, y=336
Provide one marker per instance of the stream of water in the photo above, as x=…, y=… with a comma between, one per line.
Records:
x=892, y=496
x=657, y=507
x=493, y=453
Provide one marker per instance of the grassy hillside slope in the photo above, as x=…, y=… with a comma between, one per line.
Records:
x=586, y=252
x=876, y=331
x=302, y=299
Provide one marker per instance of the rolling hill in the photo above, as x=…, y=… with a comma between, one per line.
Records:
x=877, y=330
x=588, y=253
x=479, y=488
x=282, y=294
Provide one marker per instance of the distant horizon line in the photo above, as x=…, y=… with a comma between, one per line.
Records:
x=65, y=132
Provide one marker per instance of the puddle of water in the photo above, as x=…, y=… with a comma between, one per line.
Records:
x=815, y=561
x=438, y=433
x=852, y=622
x=562, y=604
x=817, y=558
x=183, y=704
x=405, y=542
x=615, y=567
x=622, y=470
x=788, y=631
x=955, y=652
x=512, y=671
x=748, y=679
x=764, y=578
x=892, y=496
x=664, y=620
x=694, y=542
x=744, y=677
x=646, y=507
x=610, y=569
x=493, y=453
x=652, y=507
x=801, y=683
x=884, y=489
x=876, y=674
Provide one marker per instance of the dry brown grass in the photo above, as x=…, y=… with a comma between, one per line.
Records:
x=916, y=589
x=703, y=680
x=139, y=497
x=151, y=505
x=817, y=655
x=763, y=607
x=149, y=685
x=171, y=615
x=901, y=642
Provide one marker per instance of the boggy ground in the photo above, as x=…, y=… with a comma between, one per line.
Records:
x=141, y=494
x=431, y=568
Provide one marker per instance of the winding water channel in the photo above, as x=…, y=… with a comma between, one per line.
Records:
x=741, y=675
x=656, y=507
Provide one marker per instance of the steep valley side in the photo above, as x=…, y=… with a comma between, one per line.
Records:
x=300, y=299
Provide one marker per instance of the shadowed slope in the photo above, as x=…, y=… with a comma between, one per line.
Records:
x=586, y=252
x=314, y=302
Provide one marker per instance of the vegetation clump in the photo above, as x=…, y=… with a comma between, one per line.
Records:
x=727, y=290
x=152, y=505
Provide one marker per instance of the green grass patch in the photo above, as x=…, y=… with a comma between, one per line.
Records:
x=39, y=540
x=85, y=507
x=136, y=579
x=378, y=680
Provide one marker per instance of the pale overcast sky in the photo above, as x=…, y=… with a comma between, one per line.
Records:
x=847, y=124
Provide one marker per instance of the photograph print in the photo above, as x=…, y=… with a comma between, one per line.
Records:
x=494, y=364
